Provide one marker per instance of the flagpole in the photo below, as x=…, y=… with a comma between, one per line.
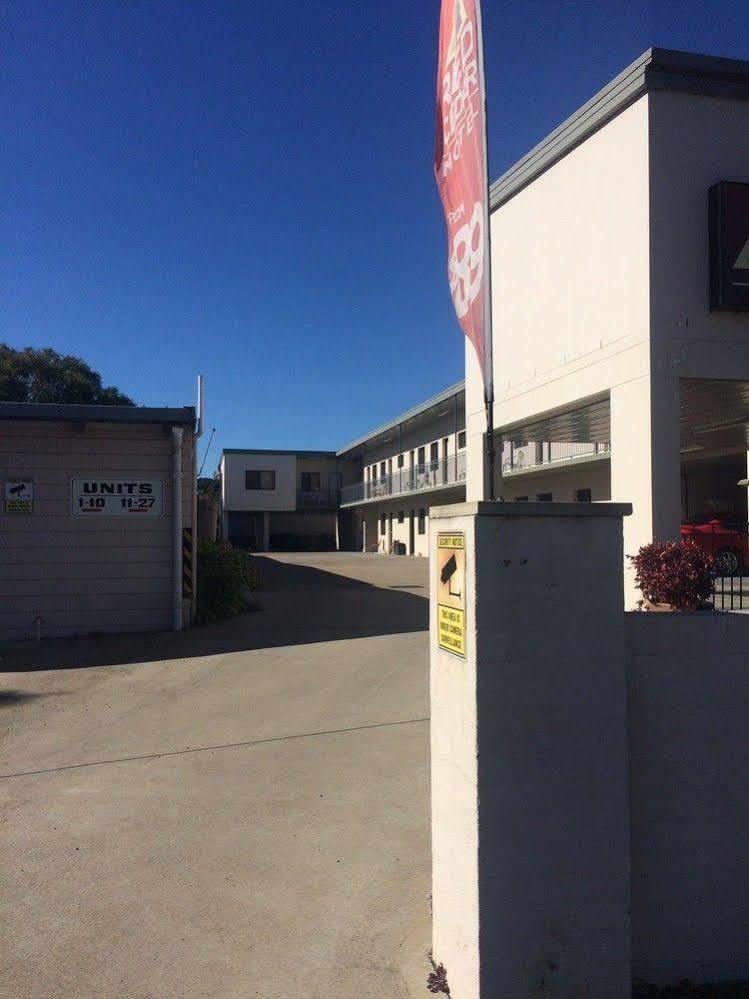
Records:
x=488, y=372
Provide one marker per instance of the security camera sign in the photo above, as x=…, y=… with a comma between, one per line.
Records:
x=451, y=589
x=19, y=496
x=135, y=498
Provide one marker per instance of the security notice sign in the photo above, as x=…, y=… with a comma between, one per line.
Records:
x=19, y=496
x=96, y=498
x=451, y=587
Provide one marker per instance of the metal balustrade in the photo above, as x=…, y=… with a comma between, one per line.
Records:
x=549, y=454
x=430, y=475
x=317, y=498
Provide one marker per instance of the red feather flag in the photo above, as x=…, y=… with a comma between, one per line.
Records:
x=460, y=166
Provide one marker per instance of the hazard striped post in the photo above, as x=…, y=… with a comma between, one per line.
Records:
x=187, y=563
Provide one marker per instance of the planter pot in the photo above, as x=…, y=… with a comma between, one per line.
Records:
x=653, y=608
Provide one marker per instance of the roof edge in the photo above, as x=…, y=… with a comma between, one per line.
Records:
x=408, y=414
x=296, y=452
x=655, y=69
x=74, y=413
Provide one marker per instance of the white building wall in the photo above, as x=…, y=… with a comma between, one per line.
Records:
x=562, y=483
x=695, y=142
x=689, y=785
x=236, y=497
x=570, y=275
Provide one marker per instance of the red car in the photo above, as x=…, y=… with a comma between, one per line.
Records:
x=729, y=544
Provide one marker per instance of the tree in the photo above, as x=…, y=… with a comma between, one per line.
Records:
x=31, y=375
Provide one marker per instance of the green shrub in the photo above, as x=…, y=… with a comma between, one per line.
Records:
x=224, y=575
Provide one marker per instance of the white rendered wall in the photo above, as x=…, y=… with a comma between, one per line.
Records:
x=570, y=274
x=530, y=821
x=689, y=759
x=562, y=482
x=695, y=142
x=236, y=497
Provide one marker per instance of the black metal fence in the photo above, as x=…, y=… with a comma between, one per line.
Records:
x=731, y=593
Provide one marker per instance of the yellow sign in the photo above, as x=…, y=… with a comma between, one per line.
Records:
x=451, y=586
x=19, y=496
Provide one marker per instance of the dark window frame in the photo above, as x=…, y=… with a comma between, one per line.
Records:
x=308, y=476
x=260, y=472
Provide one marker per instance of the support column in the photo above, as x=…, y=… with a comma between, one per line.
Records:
x=530, y=813
x=266, y=532
x=646, y=465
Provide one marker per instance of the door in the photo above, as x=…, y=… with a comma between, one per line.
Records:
x=411, y=529
x=390, y=534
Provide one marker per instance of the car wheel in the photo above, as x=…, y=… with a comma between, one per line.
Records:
x=729, y=562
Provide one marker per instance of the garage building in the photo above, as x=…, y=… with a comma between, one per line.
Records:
x=89, y=541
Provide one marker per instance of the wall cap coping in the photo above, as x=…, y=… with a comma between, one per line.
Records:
x=484, y=508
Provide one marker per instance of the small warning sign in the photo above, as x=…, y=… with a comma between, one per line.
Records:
x=19, y=496
x=451, y=585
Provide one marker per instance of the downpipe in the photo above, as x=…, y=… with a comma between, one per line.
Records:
x=177, y=433
x=194, y=504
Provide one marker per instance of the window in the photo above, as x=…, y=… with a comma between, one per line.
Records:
x=422, y=521
x=256, y=479
x=583, y=495
x=461, y=438
x=310, y=482
x=521, y=499
x=382, y=469
x=400, y=516
x=420, y=456
x=544, y=497
x=400, y=461
x=383, y=521
x=434, y=451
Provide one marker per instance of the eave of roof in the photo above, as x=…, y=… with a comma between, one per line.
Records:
x=655, y=69
x=409, y=414
x=70, y=413
x=299, y=453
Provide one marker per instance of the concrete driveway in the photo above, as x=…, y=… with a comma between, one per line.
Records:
x=239, y=811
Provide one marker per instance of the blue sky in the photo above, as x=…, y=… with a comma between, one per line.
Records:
x=246, y=189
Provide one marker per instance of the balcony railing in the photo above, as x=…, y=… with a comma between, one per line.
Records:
x=537, y=455
x=431, y=475
x=317, y=498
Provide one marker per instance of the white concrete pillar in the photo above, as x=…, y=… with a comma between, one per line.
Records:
x=530, y=814
x=646, y=464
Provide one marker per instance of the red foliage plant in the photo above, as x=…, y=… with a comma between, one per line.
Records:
x=677, y=573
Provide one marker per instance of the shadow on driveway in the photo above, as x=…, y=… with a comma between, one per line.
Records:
x=298, y=604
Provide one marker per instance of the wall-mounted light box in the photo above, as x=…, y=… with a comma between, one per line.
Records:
x=728, y=204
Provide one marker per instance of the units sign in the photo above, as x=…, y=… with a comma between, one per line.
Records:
x=729, y=246
x=19, y=496
x=451, y=587
x=117, y=498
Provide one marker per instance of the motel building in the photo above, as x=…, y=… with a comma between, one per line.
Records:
x=281, y=500
x=418, y=460
x=620, y=281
